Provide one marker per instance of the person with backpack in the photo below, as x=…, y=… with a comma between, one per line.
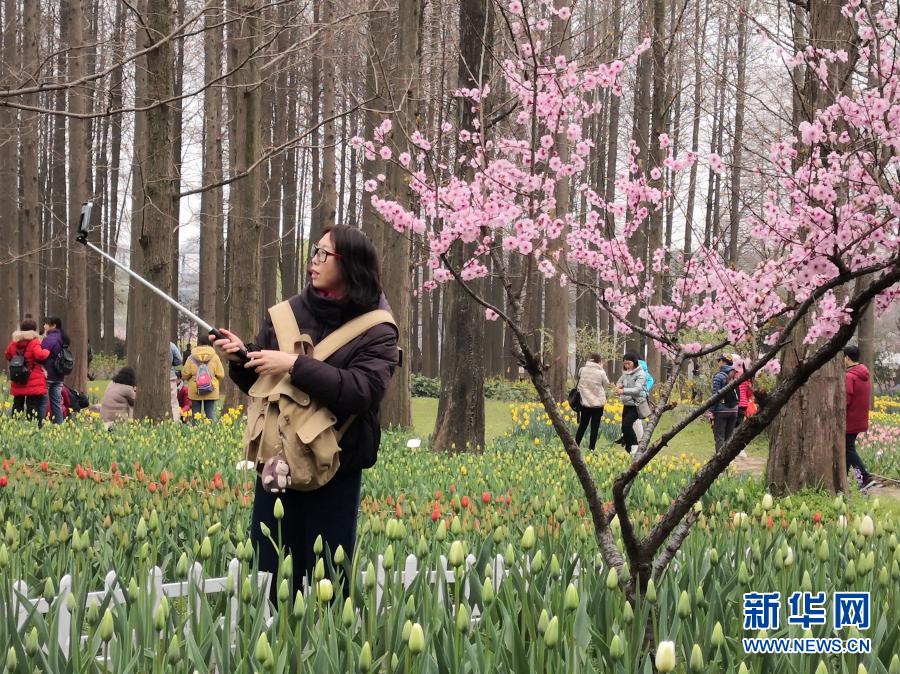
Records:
x=27, y=379
x=632, y=389
x=343, y=292
x=203, y=373
x=639, y=424
x=726, y=410
x=58, y=365
x=592, y=384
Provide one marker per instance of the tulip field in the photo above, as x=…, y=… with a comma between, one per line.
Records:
x=518, y=585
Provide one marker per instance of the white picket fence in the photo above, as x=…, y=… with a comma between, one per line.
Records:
x=196, y=584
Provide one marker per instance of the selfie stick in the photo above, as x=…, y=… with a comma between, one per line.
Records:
x=84, y=225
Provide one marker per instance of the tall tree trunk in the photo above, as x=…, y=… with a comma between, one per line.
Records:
x=56, y=277
x=212, y=219
x=328, y=192
x=657, y=127
x=695, y=128
x=377, y=69
x=244, y=193
x=9, y=184
x=96, y=179
x=159, y=175
x=460, y=416
x=31, y=276
x=289, y=219
x=315, y=88
x=557, y=296
x=273, y=123
x=136, y=291
x=806, y=441
x=737, y=147
x=76, y=323
x=715, y=133
x=396, y=270
x=112, y=213
x=637, y=243
x=177, y=133
x=612, y=134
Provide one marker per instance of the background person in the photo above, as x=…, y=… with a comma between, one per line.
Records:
x=205, y=362
x=632, y=389
x=118, y=399
x=54, y=341
x=592, y=383
x=29, y=396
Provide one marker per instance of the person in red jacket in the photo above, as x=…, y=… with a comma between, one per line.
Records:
x=29, y=396
x=859, y=395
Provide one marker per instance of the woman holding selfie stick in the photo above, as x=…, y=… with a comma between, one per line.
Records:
x=344, y=282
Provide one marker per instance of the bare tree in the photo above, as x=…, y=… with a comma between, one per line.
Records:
x=29, y=139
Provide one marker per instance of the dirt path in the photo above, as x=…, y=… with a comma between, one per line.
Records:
x=756, y=465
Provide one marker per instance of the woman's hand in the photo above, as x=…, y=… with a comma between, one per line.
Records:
x=230, y=346
x=271, y=362
x=620, y=390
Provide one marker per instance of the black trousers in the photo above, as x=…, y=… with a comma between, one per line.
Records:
x=32, y=406
x=329, y=512
x=589, y=416
x=853, y=458
x=629, y=416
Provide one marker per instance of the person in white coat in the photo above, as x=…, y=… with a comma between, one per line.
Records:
x=592, y=384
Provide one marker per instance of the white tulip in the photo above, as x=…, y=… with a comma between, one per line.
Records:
x=414, y=443
x=665, y=656
x=867, y=526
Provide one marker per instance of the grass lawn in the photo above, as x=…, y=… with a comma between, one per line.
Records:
x=695, y=440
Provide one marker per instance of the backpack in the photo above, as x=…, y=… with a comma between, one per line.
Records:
x=203, y=378
x=77, y=400
x=574, y=399
x=19, y=372
x=64, y=361
x=731, y=398
x=286, y=423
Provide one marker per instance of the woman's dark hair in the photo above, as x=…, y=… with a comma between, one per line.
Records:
x=55, y=321
x=633, y=357
x=358, y=261
x=28, y=324
x=596, y=357
x=125, y=376
x=203, y=339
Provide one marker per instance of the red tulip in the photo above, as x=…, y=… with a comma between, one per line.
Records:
x=465, y=501
x=45, y=466
x=486, y=497
x=452, y=488
x=399, y=510
x=3, y=481
x=437, y=494
x=152, y=487
x=817, y=518
x=769, y=522
x=163, y=477
x=435, y=514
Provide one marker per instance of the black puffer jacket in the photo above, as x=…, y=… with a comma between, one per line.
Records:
x=352, y=381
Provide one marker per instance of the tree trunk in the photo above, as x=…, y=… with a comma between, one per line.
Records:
x=9, y=184
x=177, y=132
x=460, y=416
x=212, y=220
x=557, y=296
x=396, y=271
x=112, y=213
x=289, y=220
x=657, y=127
x=806, y=442
x=695, y=128
x=159, y=175
x=737, y=147
x=637, y=243
x=377, y=68
x=273, y=123
x=315, y=89
x=96, y=180
x=328, y=193
x=31, y=243
x=56, y=277
x=76, y=323
x=244, y=193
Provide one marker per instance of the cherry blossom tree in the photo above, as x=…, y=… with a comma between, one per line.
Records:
x=827, y=222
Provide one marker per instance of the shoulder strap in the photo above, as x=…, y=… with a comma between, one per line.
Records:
x=286, y=329
x=350, y=331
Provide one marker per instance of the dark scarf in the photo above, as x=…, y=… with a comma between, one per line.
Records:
x=331, y=313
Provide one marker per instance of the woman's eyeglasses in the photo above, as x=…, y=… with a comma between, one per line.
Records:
x=321, y=254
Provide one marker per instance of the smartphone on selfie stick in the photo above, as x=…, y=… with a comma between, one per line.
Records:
x=84, y=228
